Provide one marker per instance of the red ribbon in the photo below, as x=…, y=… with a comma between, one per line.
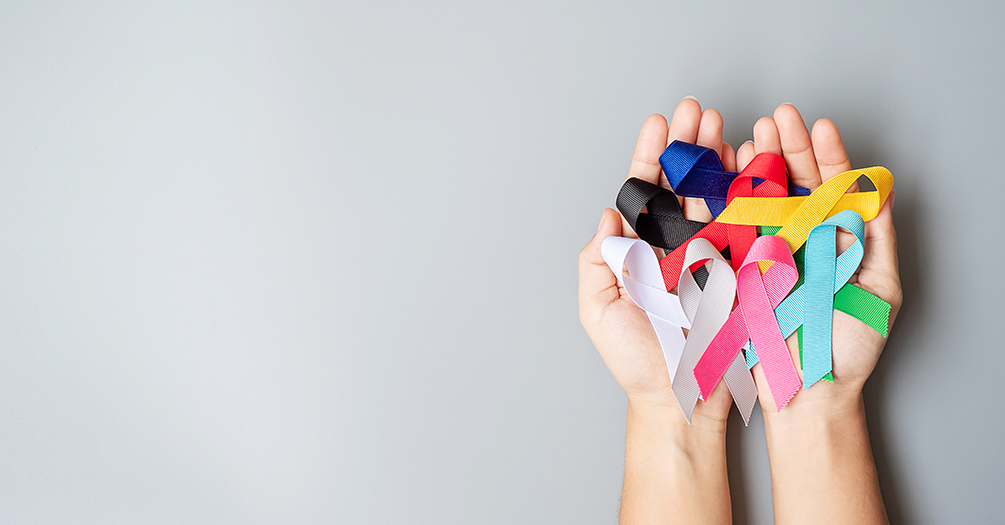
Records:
x=739, y=238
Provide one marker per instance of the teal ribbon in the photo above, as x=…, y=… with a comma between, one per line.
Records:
x=826, y=288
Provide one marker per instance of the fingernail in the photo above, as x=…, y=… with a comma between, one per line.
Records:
x=603, y=219
x=691, y=97
x=893, y=199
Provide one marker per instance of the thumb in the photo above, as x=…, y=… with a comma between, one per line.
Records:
x=598, y=287
x=879, y=265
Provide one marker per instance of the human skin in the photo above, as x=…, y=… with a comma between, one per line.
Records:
x=674, y=472
x=822, y=465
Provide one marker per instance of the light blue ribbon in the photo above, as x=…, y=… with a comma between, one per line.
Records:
x=825, y=275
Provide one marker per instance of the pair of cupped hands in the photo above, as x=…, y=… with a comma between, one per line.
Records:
x=621, y=331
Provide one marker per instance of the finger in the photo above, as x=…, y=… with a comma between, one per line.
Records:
x=685, y=122
x=684, y=127
x=797, y=149
x=598, y=287
x=763, y=390
x=728, y=157
x=709, y=136
x=880, y=268
x=646, y=157
x=710, y=130
x=832, y=157
x=744, y=154
x=766, y=136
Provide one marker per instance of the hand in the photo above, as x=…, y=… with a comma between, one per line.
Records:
x=619, y=329
x=812, y=160
x=674, y=472
x=822, y=469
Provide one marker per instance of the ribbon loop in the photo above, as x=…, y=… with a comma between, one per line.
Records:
x=826, y=289
x=763, y=177
x=708, y=309
x=664, y=225
x=770, y=169
x=696, y=171
x=753, y=319
x=798, y=215
x=644, y=285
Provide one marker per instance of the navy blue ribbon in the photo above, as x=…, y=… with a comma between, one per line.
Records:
x=696, y=171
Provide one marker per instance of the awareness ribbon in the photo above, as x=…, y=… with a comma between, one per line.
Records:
x=818, y=307
x=664, y=224
x=811, y=296
x=644, y=285
x=696, y=171
x=754, y=319
x=798, y=215
x=708, y=309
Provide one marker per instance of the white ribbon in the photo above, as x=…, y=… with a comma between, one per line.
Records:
x=703, y=312
x=644, y=284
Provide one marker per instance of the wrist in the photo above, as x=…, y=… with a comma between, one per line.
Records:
x=822, y=401
x=660, y=410
x=821, y=459
x=674, y=472
x=817, y=433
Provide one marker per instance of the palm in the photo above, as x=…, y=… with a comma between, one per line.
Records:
x=623, y=335
x=856, y=346
x=631, y=349
x=810, y=162
x=619, y=329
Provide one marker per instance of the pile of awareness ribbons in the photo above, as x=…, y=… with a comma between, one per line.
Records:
x=785, y=274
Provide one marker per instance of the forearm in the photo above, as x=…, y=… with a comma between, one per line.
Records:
x=822, y=468
x=674, y=472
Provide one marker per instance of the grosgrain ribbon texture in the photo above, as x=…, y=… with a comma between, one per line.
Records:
x=763, y=177
x=644, y=285
x=759, y=221
x=754, y=319
x=708, y=309
x=798, y=215
x=664, y=224
x=696, y=171
x=847, y=298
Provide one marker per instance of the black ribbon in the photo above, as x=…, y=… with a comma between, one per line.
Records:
x=664, y=224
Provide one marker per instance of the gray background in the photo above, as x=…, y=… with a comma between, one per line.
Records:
x=308, y=263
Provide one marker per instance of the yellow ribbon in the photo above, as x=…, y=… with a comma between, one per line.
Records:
x=798, y=215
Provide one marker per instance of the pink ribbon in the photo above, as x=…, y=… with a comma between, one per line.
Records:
x=754, y=320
